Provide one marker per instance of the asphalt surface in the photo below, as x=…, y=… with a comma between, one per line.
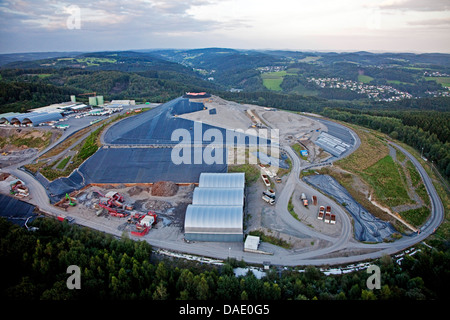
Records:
x=355, y=251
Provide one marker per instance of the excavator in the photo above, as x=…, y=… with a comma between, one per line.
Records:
x=70, y=200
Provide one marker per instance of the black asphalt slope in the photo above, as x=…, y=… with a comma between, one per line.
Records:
x=15, y=210
x=147, y=165
x=155, y=126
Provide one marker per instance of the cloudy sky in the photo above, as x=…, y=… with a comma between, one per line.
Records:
x=345, y=25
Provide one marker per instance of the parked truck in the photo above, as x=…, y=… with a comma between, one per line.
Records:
x=321, y=213
x=333, y=219
x=269, y=200
x=305, y=201
x=270, y=193
x=328, y=215
x=266, y=180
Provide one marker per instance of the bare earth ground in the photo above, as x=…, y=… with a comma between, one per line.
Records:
x=170, y=210
x=13, y=153
x=232, y=115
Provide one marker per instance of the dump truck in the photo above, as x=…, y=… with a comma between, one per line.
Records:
x=266, y=180
x=333, y=219
x=328, y=215
x=270, y=193
x=305, y=201
x=269, y=200
x=321, y=213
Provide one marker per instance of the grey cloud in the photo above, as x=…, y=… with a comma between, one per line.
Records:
x=155, y=15
x=431, y=22
x=418, y=5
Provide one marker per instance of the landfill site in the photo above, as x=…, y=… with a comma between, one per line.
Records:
x=133, y=187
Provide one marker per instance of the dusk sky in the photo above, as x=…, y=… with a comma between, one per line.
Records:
x=346, y=25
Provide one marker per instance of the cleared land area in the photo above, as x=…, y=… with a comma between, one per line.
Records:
x=18, y=144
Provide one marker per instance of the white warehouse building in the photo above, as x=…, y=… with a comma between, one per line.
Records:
x=217, y=209
x=214, y=223
x=218, y=196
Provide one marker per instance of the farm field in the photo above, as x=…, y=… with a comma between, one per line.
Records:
x=364, y=79
x=445, y=81
x=273, y=80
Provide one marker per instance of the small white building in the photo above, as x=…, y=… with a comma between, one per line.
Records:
x=251, y=243
x=147, y=220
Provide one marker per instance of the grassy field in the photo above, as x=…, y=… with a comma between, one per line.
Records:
x=273, y=80
x=301, y=89
x=90, y=61
x=397, y=82
x=417, y=183
x=297, y=148
x=270, y=239
x=63, y=163
x=416, y=217
x=371, y=150
x=43, y=75
x=445, y=81
x=364, y=79
x=309, y=59
x=385, y=178
x=252, y=173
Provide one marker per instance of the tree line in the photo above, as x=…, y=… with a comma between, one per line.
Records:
x=34, y=266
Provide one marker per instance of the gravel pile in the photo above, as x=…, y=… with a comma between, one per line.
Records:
x=164, y=189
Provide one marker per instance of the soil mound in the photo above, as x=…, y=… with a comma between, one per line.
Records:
x=164, y=189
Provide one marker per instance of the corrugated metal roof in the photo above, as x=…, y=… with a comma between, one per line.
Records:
x=8, y=116
x=42, y=117
x=222, y=180
x=214, y=219
x=22, y=116
x=218, y=196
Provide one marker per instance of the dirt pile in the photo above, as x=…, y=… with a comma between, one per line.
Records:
x=135, y=190
x=164, y=189
x=4, y=176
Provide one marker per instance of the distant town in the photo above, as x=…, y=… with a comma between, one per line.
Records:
x=376, y=92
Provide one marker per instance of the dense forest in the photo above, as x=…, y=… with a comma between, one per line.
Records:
x=34, y=266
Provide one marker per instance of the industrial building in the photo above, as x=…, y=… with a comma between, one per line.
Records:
x=218, y=196
x=43, y=115
x=30, y=118
x=38, y=119
x=214, y=223
x=217, y=209
x=220, y=180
